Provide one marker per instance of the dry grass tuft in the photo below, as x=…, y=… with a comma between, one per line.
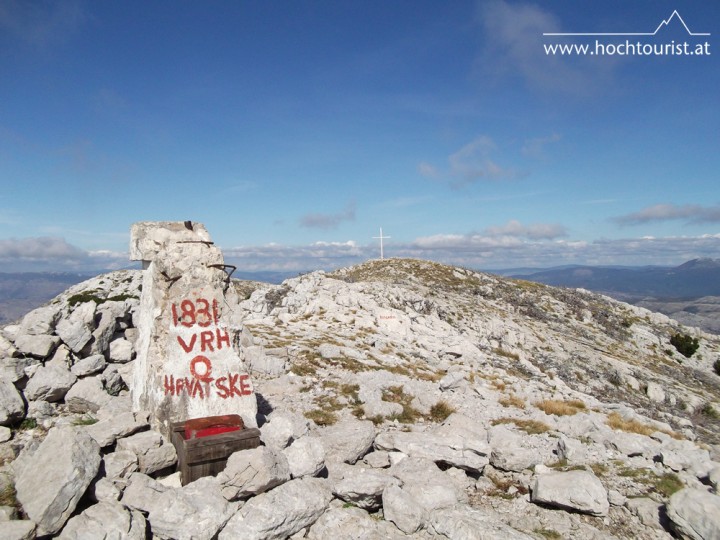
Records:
x=615, y=421
x=561, y=408
x=512, y=401
x=440, y=411
x=531, y=427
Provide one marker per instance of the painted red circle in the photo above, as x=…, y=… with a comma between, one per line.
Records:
x=204, y=377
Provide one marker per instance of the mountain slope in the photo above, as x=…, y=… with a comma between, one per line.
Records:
x=434, y=400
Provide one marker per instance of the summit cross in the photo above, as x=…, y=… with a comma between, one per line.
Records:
x=381, y=237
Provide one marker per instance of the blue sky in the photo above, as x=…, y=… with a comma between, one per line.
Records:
x=295, y=130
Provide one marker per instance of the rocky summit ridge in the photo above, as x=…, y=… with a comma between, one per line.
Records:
x=396, y=399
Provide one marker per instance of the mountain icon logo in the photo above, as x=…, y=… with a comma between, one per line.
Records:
x=664, y=23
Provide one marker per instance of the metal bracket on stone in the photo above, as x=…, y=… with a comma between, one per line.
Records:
x=206, y=242
x=172, y=280
x=224, y=268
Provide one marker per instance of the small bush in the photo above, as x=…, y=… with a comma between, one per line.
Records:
x=440, y=411
x=684, y=344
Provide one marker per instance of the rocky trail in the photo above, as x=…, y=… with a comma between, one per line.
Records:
x=396, y=399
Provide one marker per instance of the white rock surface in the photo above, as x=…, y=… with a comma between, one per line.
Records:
x=87, y=395
x=305, y=456
x=55, y=477
x=281, y=512
x=154, y=452
x=12, y=408
x=50, y=383
x=253, y=471
x=89, y=365
x=461, y=522
x=574, y=490
x=695, y=514
x=347, y=441
x=40, y=346
x=105, y=520
x=195, y=512
x=362, y=487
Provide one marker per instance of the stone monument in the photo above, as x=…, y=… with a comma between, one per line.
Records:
x=189, y=360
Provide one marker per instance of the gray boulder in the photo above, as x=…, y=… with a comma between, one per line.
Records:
x=121, y=351
x=105, y=432
x=154, y=452
x=51, y=482
x=281, y=512
x=89, y=365
x=573, y=490
x=363, y=487
x=50, y=383
x=347, y=441
x=306, y=457
x=351, y=524
x=249, y=472
x=120, y=464
x=143, y=493
x=76, y=329
x=461, y=522
x=427, y=484
x=18, y=530
x=106, y=520
x=402, y=509
x=40, y=346
x=12, y=407
x=510, y=451
x=194, y=512
x=40, y=321
x=446, y=448
x=87, y=395
x=695, y=514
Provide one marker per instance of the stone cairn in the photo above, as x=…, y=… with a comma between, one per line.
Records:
x=189, y=360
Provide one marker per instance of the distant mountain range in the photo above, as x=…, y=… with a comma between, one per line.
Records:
x=693, y=279
x=684, y=292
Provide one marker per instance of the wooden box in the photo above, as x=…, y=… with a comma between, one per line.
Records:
x=207, y=456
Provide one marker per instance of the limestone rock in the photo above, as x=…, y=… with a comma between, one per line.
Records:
x=281, y=512
x=143, y=493
x=510, y=451
x=89, y=365
x=445, y=448
x=40, y=346
x=56, y=476
x=427, y=484
x=105, y=432
x=154, y=452
x=462, y=522
x=120, y=464
x=695, y=514
x=402, y=509
x=76, y=329
x=347, y=441
x=278, y=432
x=253, y=471
x=106, y=520
x=121, y=351
x=5, y=433
x=647, y=511
x=655, y=392
x=50, y=383
x=12, y=407
x=575, y=490
x=363, y=487
x=378, y=459
x=194, y=512
x=351, y=524
x=87, y=395
x=306, y=457
x=40, y=321
x=18, y=530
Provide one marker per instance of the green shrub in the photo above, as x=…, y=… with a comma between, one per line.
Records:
x=684, y=344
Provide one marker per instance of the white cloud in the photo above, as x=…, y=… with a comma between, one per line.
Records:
x=513, y=35
x=691, y=213
x=55, y=254
x=535, y=147
x=328, y=221
x=471, y=163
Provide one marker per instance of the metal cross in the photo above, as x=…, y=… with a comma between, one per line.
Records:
x=381, y=237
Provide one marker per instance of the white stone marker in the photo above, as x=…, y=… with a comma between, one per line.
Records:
x=189, y=362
